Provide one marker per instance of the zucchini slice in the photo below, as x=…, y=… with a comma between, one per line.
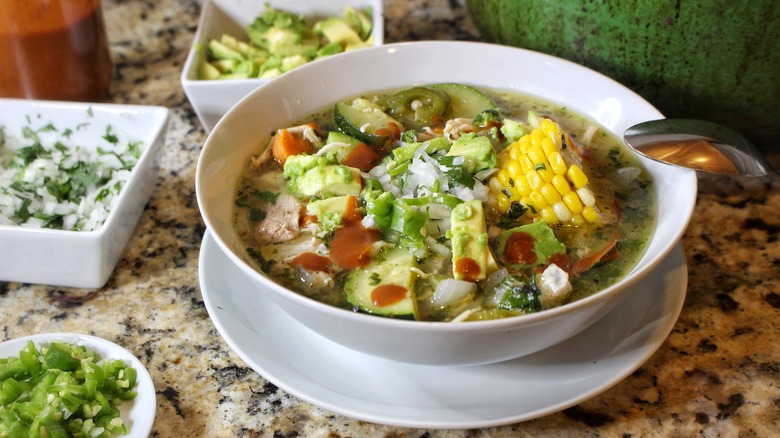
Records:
x=389, y=269
x=465, y=101
x=365, y=121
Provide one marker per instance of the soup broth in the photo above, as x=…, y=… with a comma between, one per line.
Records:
x=435, y=203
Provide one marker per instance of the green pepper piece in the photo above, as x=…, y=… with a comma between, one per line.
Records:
x=30, y=358
x=58, y=356
x=417, y=107
x=10, y=390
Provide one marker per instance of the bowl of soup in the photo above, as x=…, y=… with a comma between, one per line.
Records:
x=441, y=203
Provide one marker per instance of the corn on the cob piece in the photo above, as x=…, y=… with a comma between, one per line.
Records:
x=533, y=174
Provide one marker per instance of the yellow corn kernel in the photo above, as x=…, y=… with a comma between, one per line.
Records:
x=557, y=165
x=503, y=202
x=514, y=153
x=526, y=164
x=548, y=215
x=504, y=157
x=546, y=174
x=536, y=136
x=573, y=202
x=535, y=181
x=536, y=154
x=562, y=211
x=577, y=176
x=516, y=195
x=577, y=220
x=503, y=177
x=495, y=185
x=590, y=214
x=549, y=148
x=514, y=169
x=586, y=196
x=537, y=200
x=521, y=185
x=560, y=184
x=550, y=193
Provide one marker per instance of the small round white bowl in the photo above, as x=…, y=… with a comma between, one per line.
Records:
x=137, y=414
x=246, y=129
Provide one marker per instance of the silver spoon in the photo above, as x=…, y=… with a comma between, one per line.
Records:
x=699, y=145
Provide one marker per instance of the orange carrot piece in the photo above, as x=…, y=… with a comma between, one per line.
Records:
x=286, y=144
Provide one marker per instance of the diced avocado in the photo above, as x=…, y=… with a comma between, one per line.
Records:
x=529, y=245
x=330, y=211
x=282, y=41
x=477, y=150
x=365, y=120
x=336, y=30
x=342, y=145
x=221, y=51
x=386, y=286
x=471, y=257
x=329, y=49
x=326, y=181
x=313, y=175
x=207, y=71
x=297, y=165
x=290, y=62
x=234, y=44
x=512, y=130
x=359, y=21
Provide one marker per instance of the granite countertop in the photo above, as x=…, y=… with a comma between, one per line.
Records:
x=717, y=374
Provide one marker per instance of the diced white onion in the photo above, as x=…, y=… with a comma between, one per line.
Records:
x=450, y=291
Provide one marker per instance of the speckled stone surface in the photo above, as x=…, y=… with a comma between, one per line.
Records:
x=718, y=373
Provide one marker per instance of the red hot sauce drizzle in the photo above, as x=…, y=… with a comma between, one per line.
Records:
x=520, y=249
x=388, y=294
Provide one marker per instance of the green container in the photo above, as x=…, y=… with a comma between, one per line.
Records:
x=709, y=59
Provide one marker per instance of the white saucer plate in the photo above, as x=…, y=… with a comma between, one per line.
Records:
x=378, y=390
x=138, y=414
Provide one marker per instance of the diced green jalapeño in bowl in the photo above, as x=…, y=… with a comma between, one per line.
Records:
x=445, y=202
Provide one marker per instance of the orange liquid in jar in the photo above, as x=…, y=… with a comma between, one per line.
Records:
x=53, y=49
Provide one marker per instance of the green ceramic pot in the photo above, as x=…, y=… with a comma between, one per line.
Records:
x=710, y=59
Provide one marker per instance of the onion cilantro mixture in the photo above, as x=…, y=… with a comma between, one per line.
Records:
x=445, y=202
x=47, y=181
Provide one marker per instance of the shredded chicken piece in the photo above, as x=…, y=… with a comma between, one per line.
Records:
x=455, y=127
x=308, y=132
x=282, y=221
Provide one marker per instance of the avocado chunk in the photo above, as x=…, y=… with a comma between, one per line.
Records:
x=529, y=245
x=330, y=211
x=336, y=30
x=477, y=151
x=360, y=21
x=386, y=286
x=471, y=257
x=340, y=145
x=311, y=175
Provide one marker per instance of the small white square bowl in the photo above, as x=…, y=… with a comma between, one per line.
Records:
x=82, y=259
x=211, y=99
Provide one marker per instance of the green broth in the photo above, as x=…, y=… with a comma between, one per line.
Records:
x=631, y=199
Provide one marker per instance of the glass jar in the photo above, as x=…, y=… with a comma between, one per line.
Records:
x=54, y=49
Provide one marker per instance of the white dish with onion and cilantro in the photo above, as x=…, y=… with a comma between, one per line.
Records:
x=451, y=231
x=74, y=178
x=63, y=384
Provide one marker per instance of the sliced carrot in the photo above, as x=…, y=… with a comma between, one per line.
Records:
x=362, y=157
x=286, y=144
